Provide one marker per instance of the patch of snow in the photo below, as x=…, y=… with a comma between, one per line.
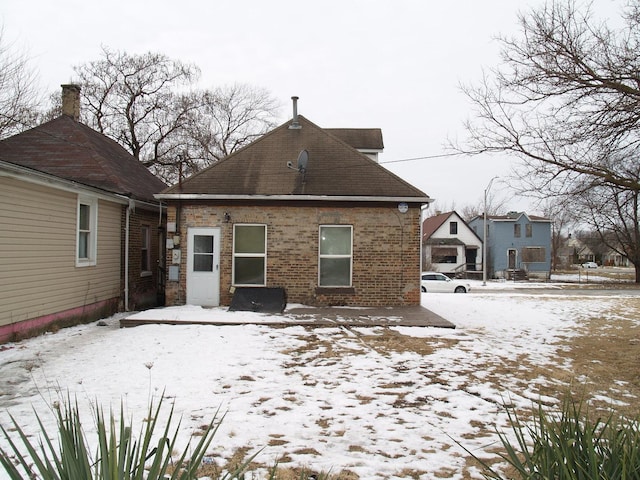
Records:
x=320, y=390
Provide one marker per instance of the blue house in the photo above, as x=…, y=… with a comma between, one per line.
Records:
x=518, y=245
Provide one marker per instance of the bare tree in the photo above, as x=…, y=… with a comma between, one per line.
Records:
x=137, y=100
x=149, y=104
x=232, y=117
x=562, y=214
x=566, y=101
x=496, y=205
x=19, y=96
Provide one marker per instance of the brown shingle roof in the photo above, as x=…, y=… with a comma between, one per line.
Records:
x=431, y=224
x=70, y=150
x=334, y=169
x=514, y=216
x=359, y=138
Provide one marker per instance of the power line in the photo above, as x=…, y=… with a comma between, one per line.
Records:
x=428, y=157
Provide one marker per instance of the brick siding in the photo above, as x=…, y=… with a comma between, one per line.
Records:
x=143, y=286
x=386, y=251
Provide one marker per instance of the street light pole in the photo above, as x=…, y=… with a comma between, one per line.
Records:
x=484, y=238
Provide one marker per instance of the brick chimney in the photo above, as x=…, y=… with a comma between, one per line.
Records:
x=71, y=101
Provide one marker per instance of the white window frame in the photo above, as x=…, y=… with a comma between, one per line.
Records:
x=249, y=255
x=321, y=256
x=92, y=232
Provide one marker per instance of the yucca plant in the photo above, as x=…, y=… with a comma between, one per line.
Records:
x=119, y=454
x=569, y=445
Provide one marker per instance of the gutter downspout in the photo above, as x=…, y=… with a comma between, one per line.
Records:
x=130, y=208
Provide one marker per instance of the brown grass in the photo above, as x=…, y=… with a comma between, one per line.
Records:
x=605, y=359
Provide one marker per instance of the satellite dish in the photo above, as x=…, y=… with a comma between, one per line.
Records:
x=303, y=160
x=301, y=164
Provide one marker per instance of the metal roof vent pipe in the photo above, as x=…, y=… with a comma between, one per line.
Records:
x=295, y=125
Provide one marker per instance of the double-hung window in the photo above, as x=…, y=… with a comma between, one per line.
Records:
x=335, y=262
x=86, y=231
x=516, y=230
x=528, y=230
x=249, y=255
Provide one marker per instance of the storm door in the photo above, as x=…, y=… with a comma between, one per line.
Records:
x=203, y=267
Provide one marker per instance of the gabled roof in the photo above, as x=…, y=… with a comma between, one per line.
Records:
x=511, y=217
x=259, y=170
x=72, y=151
x=431, y=224
x=515, y=216
x=359, y=138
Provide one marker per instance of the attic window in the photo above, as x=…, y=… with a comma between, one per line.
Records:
x=453, y=228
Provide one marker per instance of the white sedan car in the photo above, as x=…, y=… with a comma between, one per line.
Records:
x=437, y=282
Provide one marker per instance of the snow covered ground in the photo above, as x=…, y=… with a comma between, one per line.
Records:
x=328, y=398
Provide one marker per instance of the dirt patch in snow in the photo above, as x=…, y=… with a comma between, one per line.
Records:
x=601, y=364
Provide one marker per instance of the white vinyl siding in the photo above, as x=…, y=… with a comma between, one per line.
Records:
x=38, y=245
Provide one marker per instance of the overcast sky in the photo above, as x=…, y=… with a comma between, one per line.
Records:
x=394, y=64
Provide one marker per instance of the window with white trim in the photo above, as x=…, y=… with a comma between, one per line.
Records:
x=249, y=254
x=335, y=255
x=87, y=231
x=145, y=250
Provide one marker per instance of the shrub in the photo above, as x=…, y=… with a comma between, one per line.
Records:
x=569, y=445
x=119, y=455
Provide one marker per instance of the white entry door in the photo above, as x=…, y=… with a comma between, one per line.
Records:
x=203, y=267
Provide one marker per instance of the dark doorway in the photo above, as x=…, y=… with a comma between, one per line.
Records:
x=471, y=256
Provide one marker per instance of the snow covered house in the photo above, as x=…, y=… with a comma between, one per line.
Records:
x=450, y=246
x=518, y=245
x=80, y=229
x=300, y=210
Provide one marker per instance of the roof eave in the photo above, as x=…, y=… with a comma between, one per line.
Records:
x=322, y=198
x=30, y=175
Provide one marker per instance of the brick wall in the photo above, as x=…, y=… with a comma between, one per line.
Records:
x=386, y=251
x=143, y=286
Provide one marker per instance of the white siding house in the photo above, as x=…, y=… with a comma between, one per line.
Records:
x=450, y=246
